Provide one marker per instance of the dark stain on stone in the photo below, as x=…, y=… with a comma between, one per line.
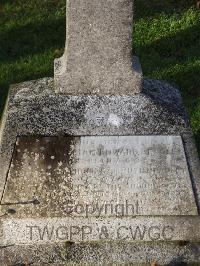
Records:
x=7, y=246
x=39, y=166
x=11, y=211
x=57, y=150
x=54, y=150
x=22, y=264
x=36, y=202
x=69, y=244
x=183, y=243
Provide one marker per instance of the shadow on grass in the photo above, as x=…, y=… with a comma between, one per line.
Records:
x=177, y=50
x=3, y=2
x=175, y=58
x=145, y=9
x=31, y=39
x=161, y=55
x=23, y=43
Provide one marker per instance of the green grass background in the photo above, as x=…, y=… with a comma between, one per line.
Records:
x=166, y=38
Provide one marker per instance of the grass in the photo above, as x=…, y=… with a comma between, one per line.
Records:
x=167, y=39
x=31, y=36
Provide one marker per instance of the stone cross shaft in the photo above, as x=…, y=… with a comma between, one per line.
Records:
x=98, y=57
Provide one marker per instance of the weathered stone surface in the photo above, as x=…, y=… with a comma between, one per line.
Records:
x=41, y=183
x=104, y=253
x=34, y=109
x=98, y=56
x=75, y=230
x=193, y=166
x=99, y=176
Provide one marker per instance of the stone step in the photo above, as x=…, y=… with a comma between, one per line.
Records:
x=80, y=229
x=103, y=253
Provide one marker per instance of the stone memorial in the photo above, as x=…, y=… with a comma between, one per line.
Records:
x=98, y=166
x=98, y=56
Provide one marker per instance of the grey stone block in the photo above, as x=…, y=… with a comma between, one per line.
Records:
x=97, y=91
x=98, y=56
x=105, y=253
x=80, y=177
x=36, y=231
x=33, y=108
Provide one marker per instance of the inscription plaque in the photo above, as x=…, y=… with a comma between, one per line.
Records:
x=99, y=176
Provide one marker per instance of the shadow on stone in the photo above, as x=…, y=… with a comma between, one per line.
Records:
x=165, y=95
x=178, y=262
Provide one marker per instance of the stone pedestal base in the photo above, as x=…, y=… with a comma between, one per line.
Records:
x=157, y=129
